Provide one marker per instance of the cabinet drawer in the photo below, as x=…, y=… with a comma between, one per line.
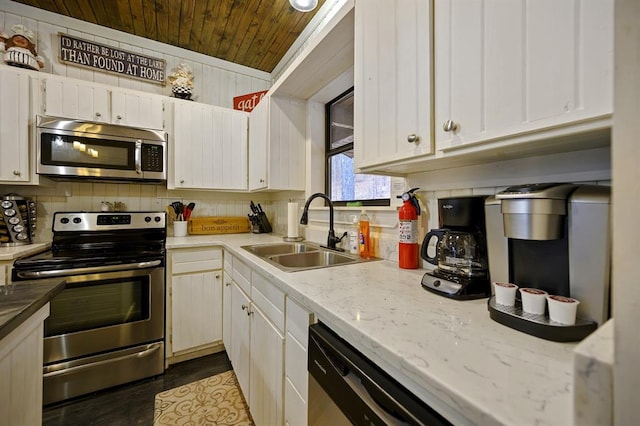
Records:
x=269, y=300
x=296, y=365
x=195, y=260
x=241, y=274
x=298, y=320
x=295, y=407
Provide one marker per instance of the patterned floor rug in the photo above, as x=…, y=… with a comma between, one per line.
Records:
x=216, y=400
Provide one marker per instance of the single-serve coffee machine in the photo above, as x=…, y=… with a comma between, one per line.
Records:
x=553, y=237
x=460, y=250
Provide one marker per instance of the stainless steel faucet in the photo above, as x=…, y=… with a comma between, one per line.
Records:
x=332, y=240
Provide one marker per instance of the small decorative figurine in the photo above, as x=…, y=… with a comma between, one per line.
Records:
x=20, y=48
x=181, y=80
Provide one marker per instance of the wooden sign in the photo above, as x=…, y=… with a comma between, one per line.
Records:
x=90, y=54
x=249, y=101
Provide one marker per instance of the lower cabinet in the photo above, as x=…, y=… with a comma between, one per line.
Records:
x=194, y=303
x=255, y=342
x=21, y=372
x=295, y=366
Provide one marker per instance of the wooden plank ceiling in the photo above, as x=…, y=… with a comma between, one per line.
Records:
x=255, y=33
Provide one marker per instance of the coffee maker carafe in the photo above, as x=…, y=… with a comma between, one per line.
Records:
x=460, y=250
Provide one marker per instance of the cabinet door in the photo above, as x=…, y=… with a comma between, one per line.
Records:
x=14, y=126
x=507, y=68
x=196, y=306
x=137, y=109
x=210, y=147
x=227, y=336
x=277, y=144
x=258, y=143
x=241, y=331
x=76, y=99
x=392, y=109
x=266, y=383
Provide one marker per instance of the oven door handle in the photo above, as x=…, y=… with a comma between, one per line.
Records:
x=89, y=270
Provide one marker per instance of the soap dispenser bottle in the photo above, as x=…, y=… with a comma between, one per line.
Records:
x=365, y=238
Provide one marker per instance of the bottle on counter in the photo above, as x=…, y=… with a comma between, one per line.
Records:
x=354, y=232
x=365, y=238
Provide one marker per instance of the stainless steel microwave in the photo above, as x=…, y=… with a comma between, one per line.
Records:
x=83, y=149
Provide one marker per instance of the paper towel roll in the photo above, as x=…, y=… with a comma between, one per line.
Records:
x=292, y=220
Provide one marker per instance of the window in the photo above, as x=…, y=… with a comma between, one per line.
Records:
x=342, y=184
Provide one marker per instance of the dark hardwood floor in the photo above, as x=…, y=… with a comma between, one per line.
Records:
x=131, y=404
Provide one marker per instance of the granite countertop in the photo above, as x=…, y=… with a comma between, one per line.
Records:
x=18, y=301
x=450, y=353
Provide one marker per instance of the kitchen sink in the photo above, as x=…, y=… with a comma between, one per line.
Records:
x=291, y=257
x=279, y=248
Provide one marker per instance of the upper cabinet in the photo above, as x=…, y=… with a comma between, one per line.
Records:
x=64, y=97
x=277, y=132
x=14, y=126
x=393, y=100
x=208, y=147
x=521, y=69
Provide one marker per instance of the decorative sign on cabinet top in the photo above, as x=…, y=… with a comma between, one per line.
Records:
x=90, y=54
x=249, y=101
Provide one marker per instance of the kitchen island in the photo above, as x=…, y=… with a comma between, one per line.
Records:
x=449, y=353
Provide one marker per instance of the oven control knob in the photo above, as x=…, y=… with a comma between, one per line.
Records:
x=6, y=204
x=77, y=220
x=14, y=220
x=10, y=212
x=64, y=220
x=147, y=219
x=158, y=219
x=21, y=236
x=18, y=228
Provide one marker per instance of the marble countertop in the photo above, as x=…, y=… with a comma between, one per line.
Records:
x=14, y=252
x=18, y=301
x=468, y=367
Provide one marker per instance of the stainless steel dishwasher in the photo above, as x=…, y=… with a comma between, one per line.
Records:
x=345, y=387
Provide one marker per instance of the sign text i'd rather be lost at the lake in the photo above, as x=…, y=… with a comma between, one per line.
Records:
x=90, y=54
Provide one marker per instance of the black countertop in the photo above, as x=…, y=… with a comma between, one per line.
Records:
x=20, y=300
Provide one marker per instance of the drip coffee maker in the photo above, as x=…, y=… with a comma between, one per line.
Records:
x=460, y=250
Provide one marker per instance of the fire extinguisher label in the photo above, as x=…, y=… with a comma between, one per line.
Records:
x=408, y=231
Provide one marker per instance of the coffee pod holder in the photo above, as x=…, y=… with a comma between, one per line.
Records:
x=539, y=325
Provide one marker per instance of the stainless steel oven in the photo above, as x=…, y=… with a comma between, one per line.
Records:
x=107, y=326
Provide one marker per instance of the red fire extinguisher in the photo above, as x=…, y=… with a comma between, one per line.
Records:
x=408, y=213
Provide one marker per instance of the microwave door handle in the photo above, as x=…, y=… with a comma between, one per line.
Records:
x=138, y=156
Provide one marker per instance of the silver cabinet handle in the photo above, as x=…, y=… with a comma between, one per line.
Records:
x=16, y=173
x=450, y=126
x=413, y=138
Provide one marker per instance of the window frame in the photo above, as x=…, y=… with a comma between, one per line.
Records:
x=329, y=153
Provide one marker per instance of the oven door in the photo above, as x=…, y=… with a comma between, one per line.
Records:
x=101, y=312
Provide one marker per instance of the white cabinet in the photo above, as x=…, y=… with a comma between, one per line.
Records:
x=392, y=73
x=277, y=133
x=21, y=371
x=209, y=147
x=137, y=109
x=506, y=69
x=257, y=342
x=194, y=305
x=77, y=99
x=296, y=376
x=14, y=126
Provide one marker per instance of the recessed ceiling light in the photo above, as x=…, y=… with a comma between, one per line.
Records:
x=304, y=5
